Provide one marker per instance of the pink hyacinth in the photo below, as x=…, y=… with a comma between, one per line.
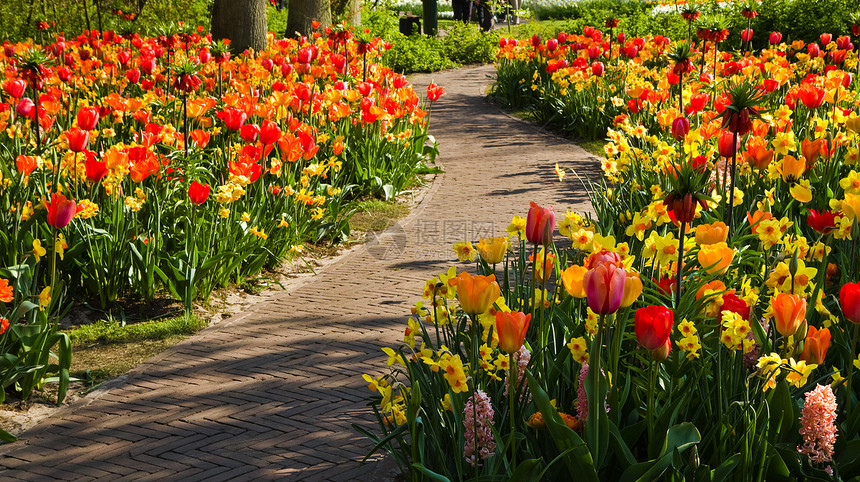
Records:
x=582, y=397
x=477, y=421
x=818, y=426
x=523, y=356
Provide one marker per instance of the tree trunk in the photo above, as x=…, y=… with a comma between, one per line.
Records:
x=302, y=13
x=241, y=21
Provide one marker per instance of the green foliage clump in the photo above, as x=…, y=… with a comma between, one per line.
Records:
x=458, y=44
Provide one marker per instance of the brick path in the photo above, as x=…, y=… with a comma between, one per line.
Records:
x=271, y=393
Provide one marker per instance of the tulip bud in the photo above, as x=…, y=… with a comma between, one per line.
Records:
x=680, y=128
x=597, y=68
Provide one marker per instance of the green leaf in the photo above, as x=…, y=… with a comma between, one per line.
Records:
x=679, y=437
x=579, y=463
x=429, y=473
x=7, y=437
x=726, y=468
x=528, y=471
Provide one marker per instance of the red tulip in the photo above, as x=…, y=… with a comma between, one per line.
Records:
x=198, y=193
x=653, y=324
x=88, y=118
x=249, y=132
x=725, y=146
x=78, y=139
x=540, y=224
x=511, y=328
x=731, y=302
x=597, y=68
x=813, y=50
x=816, y=345
x=434, y=92
x=604, y=287
x=775, y=38
x=133, y=75
x=844, y=43
x=60, y=211
x=270, y=133
x=15, y=88
x=96, y=170
x=551, y=44
x=26, y=108
x=680, y=128
x=822, y=221
x=746, y=34
x=849, y=300
x=812, y=96
x=826, y=38
x=233, y=118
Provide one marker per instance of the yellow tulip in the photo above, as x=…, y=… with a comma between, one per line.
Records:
x=492, y=250
x=572, y=278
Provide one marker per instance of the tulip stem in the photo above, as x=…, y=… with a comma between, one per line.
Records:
x=650, y=408
x=680, y=266
x=594, y=403
x=850, y=371
x=731, y=205
x=513, y=391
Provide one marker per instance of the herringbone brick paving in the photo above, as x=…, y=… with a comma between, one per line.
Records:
x=271, y=393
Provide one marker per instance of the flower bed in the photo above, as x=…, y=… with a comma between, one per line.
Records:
x=163, y=164
x=703, y=325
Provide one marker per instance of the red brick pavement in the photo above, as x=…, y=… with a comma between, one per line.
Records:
x=271, y=393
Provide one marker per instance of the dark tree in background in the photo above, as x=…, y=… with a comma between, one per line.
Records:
x=302, y=14
x=241, y=21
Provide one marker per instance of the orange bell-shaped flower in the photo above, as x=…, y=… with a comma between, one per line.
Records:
x=511, y=328
x=476, y=293
x=816, y=345
x=789, y=311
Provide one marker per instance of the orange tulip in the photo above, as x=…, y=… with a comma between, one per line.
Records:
x=712, y=233
x=716, y=258
x=789, y=311
x=476, y=293
x=811, y=151
x=511, y=328
x=572, y=278
x=792, y=168
x=755, y=218
x=758, y=154
x=816, y=345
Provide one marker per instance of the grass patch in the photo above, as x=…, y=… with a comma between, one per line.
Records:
x=594, y=147
x=106, y=349
x=111, y=331
x=375, y=215
x=97, y=363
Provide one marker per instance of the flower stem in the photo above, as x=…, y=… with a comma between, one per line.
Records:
x=851, y=371
x=594, y=404
x=680, y=267
x=730, y=207
x=650, y=408
x=513, y=391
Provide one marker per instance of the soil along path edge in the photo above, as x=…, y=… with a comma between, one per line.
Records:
x=273, y=391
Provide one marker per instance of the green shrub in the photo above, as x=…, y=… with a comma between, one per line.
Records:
x=467, y=44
